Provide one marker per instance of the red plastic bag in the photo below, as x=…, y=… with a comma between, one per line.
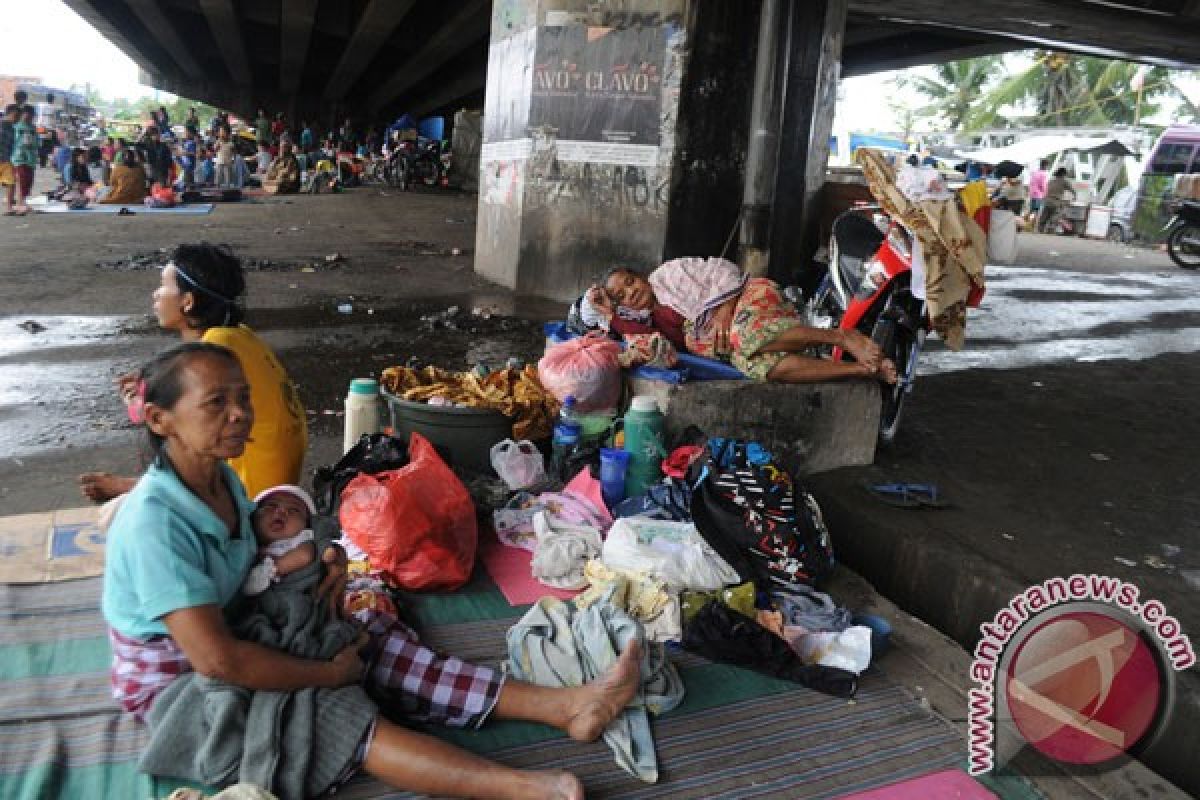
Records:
x=585, y=368
x=416, y=524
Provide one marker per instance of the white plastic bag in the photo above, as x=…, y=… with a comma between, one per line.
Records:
x=849, y=650
x=1002, y=237
x=519, y=464
x=672, y=552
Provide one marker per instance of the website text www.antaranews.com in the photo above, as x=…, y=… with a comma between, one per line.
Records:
x=998, y=633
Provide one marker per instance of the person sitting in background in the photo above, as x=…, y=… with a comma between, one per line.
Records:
x=158, y=159
x=127, y=184
x=108, y=151
x=62, y=162
x=79, y=177
x=187, y=159
x=205, y=171
x=1010, y=196
x=284, y=175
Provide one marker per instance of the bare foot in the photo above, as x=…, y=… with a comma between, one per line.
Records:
x=863, y=349
x=606, y=697
x=554, y=785
x=100, y=487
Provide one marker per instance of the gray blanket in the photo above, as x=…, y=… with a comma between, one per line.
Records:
x=295, y=743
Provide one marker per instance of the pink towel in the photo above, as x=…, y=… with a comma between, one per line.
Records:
x=949, y=784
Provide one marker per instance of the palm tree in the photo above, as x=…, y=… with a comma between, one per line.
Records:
x=955, y=91
x=1066, y=90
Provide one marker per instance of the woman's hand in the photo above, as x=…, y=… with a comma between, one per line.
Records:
x=347, y=664
x=333, y=585
x=720, y=325
x=599, y=298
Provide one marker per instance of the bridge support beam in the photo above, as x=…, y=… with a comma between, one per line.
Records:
x=621, y=137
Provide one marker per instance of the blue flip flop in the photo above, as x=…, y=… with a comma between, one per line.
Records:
x=908, y=495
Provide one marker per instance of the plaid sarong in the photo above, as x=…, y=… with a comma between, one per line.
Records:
x=401, y=672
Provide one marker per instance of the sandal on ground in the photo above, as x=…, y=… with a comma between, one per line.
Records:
x=907, y=495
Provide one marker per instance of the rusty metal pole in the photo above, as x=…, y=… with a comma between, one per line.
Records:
x=762, y=150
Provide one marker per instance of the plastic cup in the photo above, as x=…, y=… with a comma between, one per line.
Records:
x=613, y=465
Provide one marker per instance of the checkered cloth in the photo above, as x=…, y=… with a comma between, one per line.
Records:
x=423, y=685
x=142, y=669
x=402, y=673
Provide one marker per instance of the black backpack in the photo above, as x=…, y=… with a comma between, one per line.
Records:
x=755, y=516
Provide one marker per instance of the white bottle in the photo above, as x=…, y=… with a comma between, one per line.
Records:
x=362, y=411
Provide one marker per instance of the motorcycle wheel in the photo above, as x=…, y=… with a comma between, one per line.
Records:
x=1183, y=246
x=427, y=171
x=903, y=347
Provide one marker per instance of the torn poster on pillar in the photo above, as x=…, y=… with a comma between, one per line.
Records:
x=601, y=85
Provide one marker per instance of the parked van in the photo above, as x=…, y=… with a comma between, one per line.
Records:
x=1177, y=152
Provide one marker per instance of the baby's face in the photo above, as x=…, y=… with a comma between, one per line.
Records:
x=279, y=516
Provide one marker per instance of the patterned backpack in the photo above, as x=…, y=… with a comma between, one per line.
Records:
x=751, y=512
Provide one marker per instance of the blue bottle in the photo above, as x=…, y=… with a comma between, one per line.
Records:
x=567, y=433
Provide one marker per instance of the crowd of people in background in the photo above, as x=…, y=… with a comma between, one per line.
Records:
x=159, y=162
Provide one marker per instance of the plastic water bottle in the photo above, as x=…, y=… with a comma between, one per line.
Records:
x=567, y=434
x=362, y=411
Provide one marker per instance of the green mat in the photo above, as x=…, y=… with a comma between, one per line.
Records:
x=738, y=734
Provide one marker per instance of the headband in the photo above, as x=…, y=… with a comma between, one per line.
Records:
x=179, y=272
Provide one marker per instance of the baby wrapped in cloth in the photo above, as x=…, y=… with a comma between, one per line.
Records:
x=298, y=743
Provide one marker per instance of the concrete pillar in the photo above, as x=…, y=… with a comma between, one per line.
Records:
x=620, y=136
x=815, y=33
x=578, y=140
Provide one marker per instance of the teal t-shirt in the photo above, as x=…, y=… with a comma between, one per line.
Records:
x=25, y=145
x=167, y=550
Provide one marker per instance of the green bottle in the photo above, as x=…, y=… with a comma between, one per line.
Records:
x=644, y=428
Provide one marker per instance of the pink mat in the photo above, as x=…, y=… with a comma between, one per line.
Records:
x=509, y=568
x=950, y=784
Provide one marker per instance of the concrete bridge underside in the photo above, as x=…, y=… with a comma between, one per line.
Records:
x=378, y=58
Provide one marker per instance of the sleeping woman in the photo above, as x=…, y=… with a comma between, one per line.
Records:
x=709, y=307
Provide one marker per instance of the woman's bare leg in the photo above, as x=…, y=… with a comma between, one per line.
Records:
x=799, y=338
x=420, y=763
x=583, y=712
x=802, y=369
x=99, y=487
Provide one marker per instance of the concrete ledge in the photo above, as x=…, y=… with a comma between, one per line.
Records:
x=810, y=427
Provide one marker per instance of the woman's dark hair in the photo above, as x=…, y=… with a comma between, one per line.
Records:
x=1061, y=172
x=614, y=270
x=163, y=378
x=213, y=275
x=912, y=160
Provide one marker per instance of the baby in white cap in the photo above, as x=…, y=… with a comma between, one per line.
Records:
x=283, y=527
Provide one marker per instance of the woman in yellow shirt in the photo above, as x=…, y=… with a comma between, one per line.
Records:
x=198, y=299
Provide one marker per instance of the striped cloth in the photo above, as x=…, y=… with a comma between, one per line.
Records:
x=737, y=734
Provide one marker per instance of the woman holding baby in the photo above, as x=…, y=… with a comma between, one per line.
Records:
x=179, y=551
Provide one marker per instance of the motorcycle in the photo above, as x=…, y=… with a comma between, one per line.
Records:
x=414, y=161
x=1183, y=237
x=868, y=288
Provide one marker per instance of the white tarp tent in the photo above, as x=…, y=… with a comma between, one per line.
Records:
x=1029, y=151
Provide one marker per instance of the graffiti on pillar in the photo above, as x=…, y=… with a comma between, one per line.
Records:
x=634, y=19
x=598, y=187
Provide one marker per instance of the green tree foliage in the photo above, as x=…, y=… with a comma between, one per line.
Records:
x=1056, y=90
x=955, y=92
x=1063, y=89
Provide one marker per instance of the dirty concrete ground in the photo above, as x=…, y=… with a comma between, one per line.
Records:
x=1010, y=428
